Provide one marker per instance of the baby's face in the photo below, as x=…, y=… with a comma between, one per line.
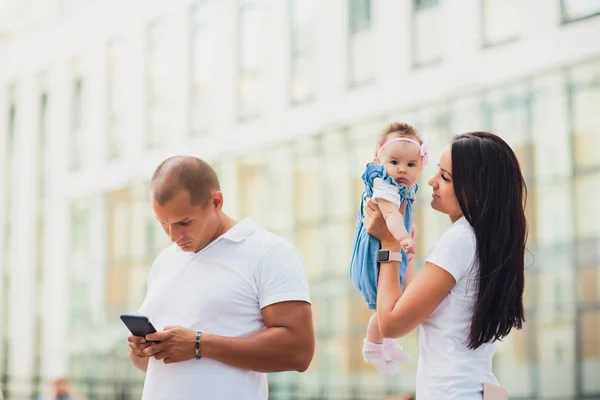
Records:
x=402, y=161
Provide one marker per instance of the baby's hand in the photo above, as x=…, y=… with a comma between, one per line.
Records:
x=408, y=245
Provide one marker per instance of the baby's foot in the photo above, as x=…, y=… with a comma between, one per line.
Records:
x=373, y=354
x=395, y=353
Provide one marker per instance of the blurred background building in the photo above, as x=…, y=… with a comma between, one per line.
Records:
x=285, y=98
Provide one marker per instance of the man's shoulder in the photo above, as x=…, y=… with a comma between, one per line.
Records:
x=264, y=238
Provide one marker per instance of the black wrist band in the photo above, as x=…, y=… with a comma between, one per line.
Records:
x=198, y=335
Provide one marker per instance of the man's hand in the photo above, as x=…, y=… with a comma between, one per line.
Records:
x=136, y=345
x=176, y=344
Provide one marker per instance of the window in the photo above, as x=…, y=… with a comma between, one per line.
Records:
x=250, y=57
x=507, y=115
x=42, y=140
x=302, y=68
x=585, y=97
x=427, y=32
x=80, y=242
x=558, y=297
x=361, y=40
x=589, y=284
x=7, y=228
x=116, y=97
x=202, y=69
x=590, y=350
x=573, y=10
x=548, y=114
x=159, y=97
x=501, y=21
x=76, y=122
x=587, y=212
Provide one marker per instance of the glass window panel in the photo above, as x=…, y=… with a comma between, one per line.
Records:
x=250, y=61
x=427, y=34
x=511, y=364
x=587, y=211
x=280, y=167
x=116, y=95
x=502, y=20
x=303, y=13
x=586, y=124
x=553, y=220
x=202, y=69
x=303, y=78
x=360, y=15
x=253, y=186
x=361, y=57
x=159, y=81
x=590, y=349
x=466, y=115
x=573, y=10
x=589, y=284
x=361, y=44
x=552, y=155
x=337, y=192
x=556, y=378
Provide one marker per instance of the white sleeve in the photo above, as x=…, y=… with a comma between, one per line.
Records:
x=281, y=276
x=454, y=251
x=385, y=191
x=155, y=270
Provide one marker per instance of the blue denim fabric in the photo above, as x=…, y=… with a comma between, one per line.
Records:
x=364, y=268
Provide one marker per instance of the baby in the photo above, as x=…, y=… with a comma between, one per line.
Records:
x=391, y=182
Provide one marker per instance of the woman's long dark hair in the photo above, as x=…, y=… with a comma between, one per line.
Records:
x=491, y=193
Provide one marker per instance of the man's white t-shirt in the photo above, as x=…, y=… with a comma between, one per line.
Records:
x=219, y=290
x=448, y=369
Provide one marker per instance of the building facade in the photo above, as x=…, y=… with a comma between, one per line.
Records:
x=286, y=99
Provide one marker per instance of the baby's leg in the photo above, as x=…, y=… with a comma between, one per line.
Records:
x=373, y=333
x=395, y=224
x=393, y=219
x=374, y=351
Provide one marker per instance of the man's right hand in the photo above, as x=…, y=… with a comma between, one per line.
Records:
x=136, y=345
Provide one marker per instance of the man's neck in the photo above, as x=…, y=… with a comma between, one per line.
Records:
x=226, y=224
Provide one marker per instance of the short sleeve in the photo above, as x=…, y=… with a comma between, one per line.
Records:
x=385, y=191
x=155, y=270
x=455, y=250
x=281, y=276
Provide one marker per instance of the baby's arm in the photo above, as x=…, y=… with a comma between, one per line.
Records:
x=393, y=219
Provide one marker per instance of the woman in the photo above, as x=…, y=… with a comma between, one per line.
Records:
x=470, y=291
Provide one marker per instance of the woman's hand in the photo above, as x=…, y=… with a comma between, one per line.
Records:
x=375, y=224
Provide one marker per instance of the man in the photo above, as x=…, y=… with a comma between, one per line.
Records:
x=229, y=299
x=60, y=390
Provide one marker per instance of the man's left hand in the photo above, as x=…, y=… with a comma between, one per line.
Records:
x=176, y=344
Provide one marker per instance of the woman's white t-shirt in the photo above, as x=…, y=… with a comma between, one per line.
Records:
x=448, y=369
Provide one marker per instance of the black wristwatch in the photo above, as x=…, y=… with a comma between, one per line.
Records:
x=388, y=255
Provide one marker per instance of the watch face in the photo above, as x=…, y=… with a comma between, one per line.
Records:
x=383, y=255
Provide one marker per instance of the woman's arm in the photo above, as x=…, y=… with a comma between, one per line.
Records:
x=399, y=313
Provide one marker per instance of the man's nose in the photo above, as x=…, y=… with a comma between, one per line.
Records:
x=175, y=233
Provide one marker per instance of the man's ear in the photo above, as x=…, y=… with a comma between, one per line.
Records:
x=217, y=200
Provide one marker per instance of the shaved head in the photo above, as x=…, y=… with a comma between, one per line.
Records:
x=186, y=173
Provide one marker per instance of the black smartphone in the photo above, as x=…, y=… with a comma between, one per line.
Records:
x=138, y=325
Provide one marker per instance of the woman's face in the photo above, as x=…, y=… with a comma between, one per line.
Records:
x=444, y=199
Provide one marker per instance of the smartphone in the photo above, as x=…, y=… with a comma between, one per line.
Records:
x=138, y=325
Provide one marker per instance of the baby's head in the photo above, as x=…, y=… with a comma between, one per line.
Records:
x=401, y=151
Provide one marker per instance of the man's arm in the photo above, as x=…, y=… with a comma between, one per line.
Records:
x=287, y=343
